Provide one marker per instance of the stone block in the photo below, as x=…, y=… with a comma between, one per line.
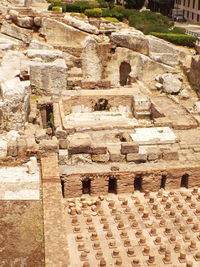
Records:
x=12, y=148
x=49, y=145
x=40, y=135
x=19, y=33
x=60, y=134
x=21, y=145
x=115, y=153
x=79, y=159
x=100, y=157
x=170, y=155
x=136, y=157
x=63, y=143
x=3, y=148
x=31, y=144
x=153, y=153
x=63, y=157
x=98, y=149
x=79, y=143
x=129, y=147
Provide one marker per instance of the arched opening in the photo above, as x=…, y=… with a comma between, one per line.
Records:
x=112, y=185
x=101, y=105
x=138, y=182
x=124, y=70
x=184, y=180
x=163, y=181
x=86, y=186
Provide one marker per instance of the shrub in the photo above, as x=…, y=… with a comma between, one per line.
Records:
x=125, y=12
x=103, y=4
x=148, y=21
x=178, y=30
x=95, y=12
x=94, y=4
x=79, y=7
x=178, y=39
x=112, y=19
x=57, y=8
x=113, y=14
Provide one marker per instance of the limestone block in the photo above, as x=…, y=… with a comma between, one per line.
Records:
x=16, y=32
x=136, y=157
x=25, y=22
x=153, y=154
x=129, y=147
x=3, y=148
x=48, y=78
x=115, y=152
x=63, y=157
x=170, y=155
x=135, y=41
x=41, y=135
x=31, y=144
x=91, y=65
x=171, y=83
x=63, y=143
x=195, y=71
x=79, y=159
x=60, y=34
x=79, y=143
x=38, y=21
x=80, y=24
x=60, y=134
x=166, y=58
x=98, y=149
x=44, y=54
x=32, y=165
x=100, y=157
x=49, y=145
x=12, y=148
x=34, y=44
x=21, y=145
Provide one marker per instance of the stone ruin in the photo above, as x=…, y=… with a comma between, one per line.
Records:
x=105, y=110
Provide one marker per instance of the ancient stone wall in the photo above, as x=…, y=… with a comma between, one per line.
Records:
x=90, y=101
x=150, y=180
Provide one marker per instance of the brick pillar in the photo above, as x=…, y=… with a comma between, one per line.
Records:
x=55, y=242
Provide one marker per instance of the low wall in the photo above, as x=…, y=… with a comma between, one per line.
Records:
x=151, y=180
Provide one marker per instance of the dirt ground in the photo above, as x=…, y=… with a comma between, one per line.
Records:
x=21, y=234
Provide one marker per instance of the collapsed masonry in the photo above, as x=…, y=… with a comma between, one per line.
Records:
x=99, y=94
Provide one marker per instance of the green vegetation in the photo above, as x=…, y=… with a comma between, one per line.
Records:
x=178, y=39
x=148, y=22
x=94, y=12
x=135, y=4
x=112, y=19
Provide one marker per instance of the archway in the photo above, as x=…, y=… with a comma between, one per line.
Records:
x=124, y=70
x=112, y=185
x=184, y=180
x=138, y=183
x=86, y=186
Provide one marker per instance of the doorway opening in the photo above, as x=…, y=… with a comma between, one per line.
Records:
x=112, y=185
x=86, y=186
x=49, y=114
x=184, y=180
x=101, y=105
x=138, y=183
x=124, y=70
x=163, y=181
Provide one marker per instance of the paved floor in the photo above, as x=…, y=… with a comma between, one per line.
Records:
x=160, y=229
x=17, y=184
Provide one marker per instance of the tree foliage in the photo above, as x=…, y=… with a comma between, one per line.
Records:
x=135, y=4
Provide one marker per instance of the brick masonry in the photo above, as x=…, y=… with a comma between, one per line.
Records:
x=56, y=250
x=151, y=180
